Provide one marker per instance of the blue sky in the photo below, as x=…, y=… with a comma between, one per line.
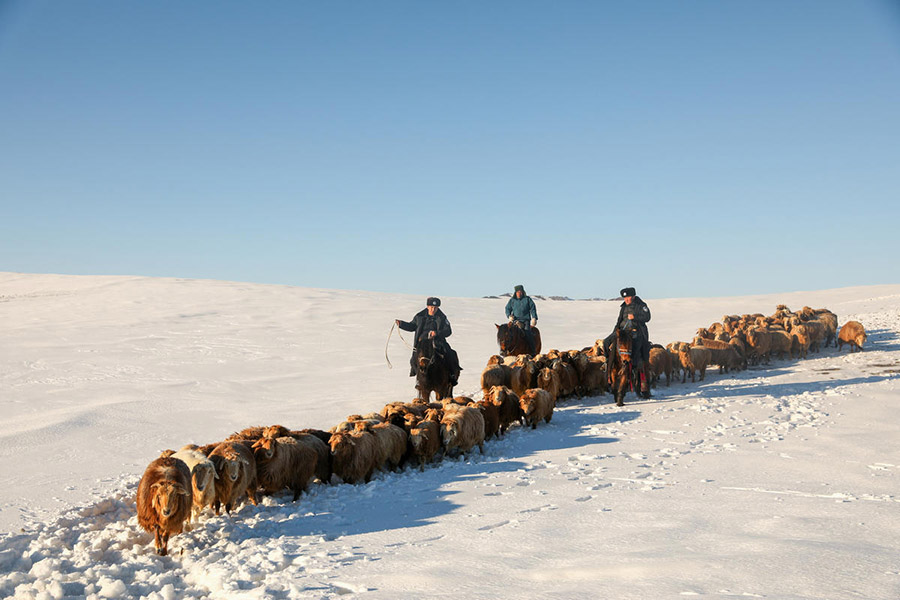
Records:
x=686, y=148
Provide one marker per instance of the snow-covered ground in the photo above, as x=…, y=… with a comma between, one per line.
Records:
x=777, y=483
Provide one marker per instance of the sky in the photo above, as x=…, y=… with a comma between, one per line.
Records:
x=684, y=148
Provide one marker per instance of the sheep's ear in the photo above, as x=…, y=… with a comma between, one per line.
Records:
x=245, y=461
x=215, y=474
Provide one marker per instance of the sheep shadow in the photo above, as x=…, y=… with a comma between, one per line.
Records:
x=409, y=498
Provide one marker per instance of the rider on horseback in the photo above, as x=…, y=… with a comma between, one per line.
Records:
x=633, y=317
x=432, y=324
x=521, y=311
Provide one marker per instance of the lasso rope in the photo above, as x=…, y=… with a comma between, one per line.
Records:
x=400, y=335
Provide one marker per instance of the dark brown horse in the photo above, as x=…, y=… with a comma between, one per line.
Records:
x=432, y=373
x=621, y=370
x=513, y=340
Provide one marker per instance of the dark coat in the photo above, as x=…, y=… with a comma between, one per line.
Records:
x=422, y=323
x=641, y=316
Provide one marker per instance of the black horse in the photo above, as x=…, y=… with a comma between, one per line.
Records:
x=513, y=340
x=433, y=372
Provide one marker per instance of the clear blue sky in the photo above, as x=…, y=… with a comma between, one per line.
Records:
x=455, y=148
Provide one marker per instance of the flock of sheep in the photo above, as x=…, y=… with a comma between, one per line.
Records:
x=178, y=486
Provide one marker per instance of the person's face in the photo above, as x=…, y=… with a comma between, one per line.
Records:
x=628, y=299
x=432, y=310
x=519, y=293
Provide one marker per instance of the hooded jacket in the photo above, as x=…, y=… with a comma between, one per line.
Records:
x=522, y=309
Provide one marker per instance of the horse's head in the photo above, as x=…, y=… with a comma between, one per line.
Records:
x=624, y=342
x=504, y=339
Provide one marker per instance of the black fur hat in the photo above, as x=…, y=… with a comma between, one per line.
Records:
x=432, y=301
x=518, y=288
x=629, y=291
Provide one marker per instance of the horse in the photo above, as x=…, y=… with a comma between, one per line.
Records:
x=432, y=373
x=622, y=372
x=513, y=340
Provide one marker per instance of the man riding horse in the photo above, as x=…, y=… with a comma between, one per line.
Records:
x=521, y=311
x=431, y=325
x=633, y=317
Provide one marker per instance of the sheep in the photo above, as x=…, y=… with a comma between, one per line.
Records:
x=693, y=359
x=660, y=363
x=424, y=441
x=507, y=403
x=536, y=404
x=548, y=379
x=203, y=476
x=391, y=445
x=494, y=374
x=462, y=428
x=491, y=414
x=853, y=334
x=395, y=412
x=236, y=470
x=799, y=340
x=164, y=500
x=760, y=344
x=593, y=378
x=248, y=434
x=829, y=321
x=722, y=354
x=568, y=377
x=781, y=342
x=283, y=462
x=519, y=379
x=319, y=445
x=355, y=455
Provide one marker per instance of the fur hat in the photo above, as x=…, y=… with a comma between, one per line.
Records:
x=519, y=288
x=629, y=291
x=432, y=301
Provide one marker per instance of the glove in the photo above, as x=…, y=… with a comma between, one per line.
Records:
x=533, y=322
x=511, y=319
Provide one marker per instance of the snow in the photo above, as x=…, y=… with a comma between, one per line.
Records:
x=777, y=482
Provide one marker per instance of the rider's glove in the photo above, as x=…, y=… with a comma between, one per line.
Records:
x=533, y=322
x=511, y=319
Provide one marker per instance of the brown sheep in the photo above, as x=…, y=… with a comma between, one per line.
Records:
x=722, y=354
x=593, y=378
x=760, y=344
x=799, y=340
x=283, y=462
x=496, y=374
x=853, y=334
x=507, y=403
x=164, y=500
x=391, y=444
x=536, y=404
x=781, y=342
x=568, y=378
x=462, y=428
x=236, y=470
x=519, y=379
x=203, y=476
x=660, y=363
x=548, y=379
x=829, y=321
x=319, y=445
x=355, y=455
x=424, y=441
x=491, y=414
x=693, y=359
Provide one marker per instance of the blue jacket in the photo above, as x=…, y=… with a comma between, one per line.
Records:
x=523, y=309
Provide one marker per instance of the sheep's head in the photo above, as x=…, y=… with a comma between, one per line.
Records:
x=203, y=475
x=449, y=432
x=167, y=497
x=264, y=448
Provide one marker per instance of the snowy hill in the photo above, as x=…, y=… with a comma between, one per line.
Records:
x=778, y=482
